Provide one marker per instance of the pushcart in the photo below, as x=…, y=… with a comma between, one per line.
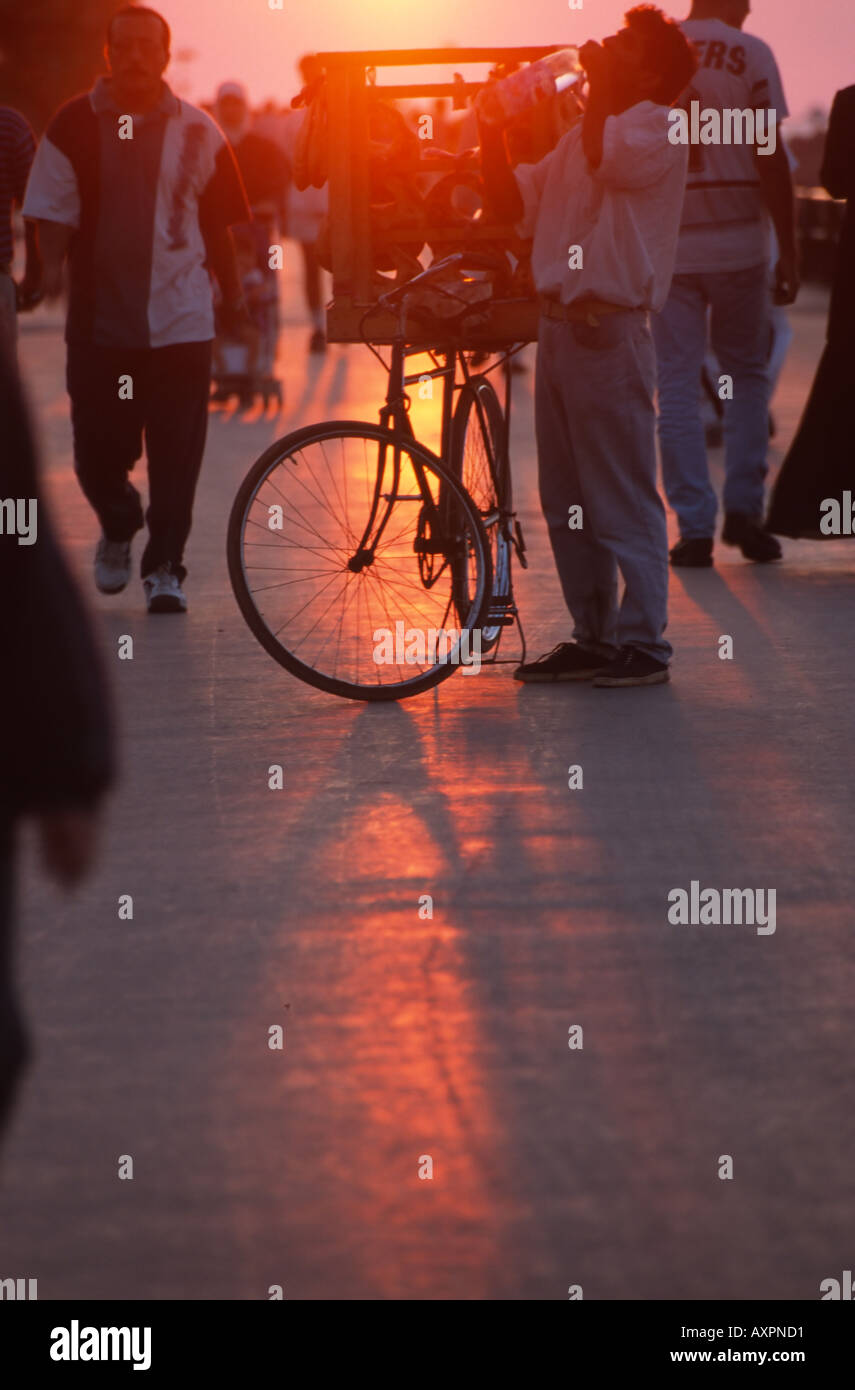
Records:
x=366, y=564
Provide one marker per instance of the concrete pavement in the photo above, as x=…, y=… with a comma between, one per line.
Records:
x=408, y=1036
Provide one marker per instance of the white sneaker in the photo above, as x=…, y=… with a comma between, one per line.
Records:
x=163, y=592
x=112, y=565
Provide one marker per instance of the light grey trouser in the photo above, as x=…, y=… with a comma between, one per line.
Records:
x=739, y=330
x=8, y=315
x=596, y=449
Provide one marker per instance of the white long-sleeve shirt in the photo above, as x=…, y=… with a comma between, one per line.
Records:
x=625, y=215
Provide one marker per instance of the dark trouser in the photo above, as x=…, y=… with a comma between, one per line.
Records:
x=8, y=313
x=171, y=386
x=14, y=1048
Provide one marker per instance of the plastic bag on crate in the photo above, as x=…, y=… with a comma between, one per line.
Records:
x=464, y=287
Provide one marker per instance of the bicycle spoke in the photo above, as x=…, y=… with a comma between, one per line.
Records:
x=412, y=603
x=354, y=557
x=306, y=524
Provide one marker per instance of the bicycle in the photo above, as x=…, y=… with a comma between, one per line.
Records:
x=370, y=532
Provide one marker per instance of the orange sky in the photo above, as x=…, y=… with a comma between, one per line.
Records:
x=248, y=40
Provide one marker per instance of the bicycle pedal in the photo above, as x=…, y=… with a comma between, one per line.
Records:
x=501, y=613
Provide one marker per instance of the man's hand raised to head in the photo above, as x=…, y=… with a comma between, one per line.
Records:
x=598, y=106
x=502, y=189
x=592, y=56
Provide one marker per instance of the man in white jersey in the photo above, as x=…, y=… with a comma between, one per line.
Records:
x=732, y=191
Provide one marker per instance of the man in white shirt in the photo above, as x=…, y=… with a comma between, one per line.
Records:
x=139, y=190
x=604, y=209
x=722, y=266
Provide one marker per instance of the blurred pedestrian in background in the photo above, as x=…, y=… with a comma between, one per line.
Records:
x=263, y=167
x=247, y=366
x=820, y=464
x=306, y=209
x=17, y=148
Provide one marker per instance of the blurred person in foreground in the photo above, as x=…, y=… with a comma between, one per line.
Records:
x=613, y=186
x=139, y=189
x=55, y=718
x=820, y=465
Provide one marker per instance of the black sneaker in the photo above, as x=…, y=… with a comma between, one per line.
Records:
x=632, y=667
x=753, y=541
x=566, y=662
x=695, y=553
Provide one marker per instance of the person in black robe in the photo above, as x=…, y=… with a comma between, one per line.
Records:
x=820, y=463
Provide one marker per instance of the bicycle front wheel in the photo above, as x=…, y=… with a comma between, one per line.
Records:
x=359, y=563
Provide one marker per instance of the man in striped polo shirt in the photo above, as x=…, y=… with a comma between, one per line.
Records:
x=139, y=189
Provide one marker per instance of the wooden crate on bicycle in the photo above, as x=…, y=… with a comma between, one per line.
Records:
x=397, y=201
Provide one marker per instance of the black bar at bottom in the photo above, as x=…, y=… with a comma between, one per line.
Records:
x=58, y=1340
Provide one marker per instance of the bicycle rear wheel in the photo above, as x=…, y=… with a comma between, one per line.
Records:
x=359, y=563
x=479, y=459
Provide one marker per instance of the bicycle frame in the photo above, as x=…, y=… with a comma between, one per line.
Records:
x=465, y=537
x=394, y=415
x=433, y=538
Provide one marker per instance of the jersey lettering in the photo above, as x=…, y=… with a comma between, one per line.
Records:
x=715, y=54
x=712, y=53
